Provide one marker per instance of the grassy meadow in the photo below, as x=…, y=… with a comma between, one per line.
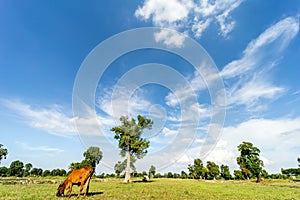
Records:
x=42, y=188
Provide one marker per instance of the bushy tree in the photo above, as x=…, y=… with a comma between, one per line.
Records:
x=58, y=172
x=238, y=175
x=169, y=175
x=249, y=160
x=196, y=170
x=46, y=173
x=213, y=170
x=129, y=136
x=36, y=171
x=16, y=168
x=225, y=173
x=184, y=175
x=3, y=152
x=3, y=171
x=27, y=169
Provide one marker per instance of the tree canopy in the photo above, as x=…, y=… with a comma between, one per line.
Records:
x=196, y=170
x=213, y=170
x=129, y=136
x=249, y=160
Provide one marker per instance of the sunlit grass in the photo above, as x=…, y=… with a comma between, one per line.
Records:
x=160, y=189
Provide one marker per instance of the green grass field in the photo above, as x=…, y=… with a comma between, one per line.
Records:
x=156, y=189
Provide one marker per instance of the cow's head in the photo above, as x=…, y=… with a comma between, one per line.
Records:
x=60, y=190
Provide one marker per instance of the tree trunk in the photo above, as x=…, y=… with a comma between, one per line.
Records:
x=258, y=179
x=127, y=175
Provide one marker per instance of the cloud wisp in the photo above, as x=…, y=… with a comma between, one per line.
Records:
x=50, y=119
x=248, y=78
x=39, y=148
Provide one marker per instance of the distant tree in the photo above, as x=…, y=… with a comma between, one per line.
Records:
x=102, y=175
x=238, y=175
x=16, y=168
x=3, y=152
x=46, y=173
x=175, y=175
x=36, y=172
x=3, y=171
x=298, y=159
x=225, y=173
x=28, y=167
x=158, y=175
x=63, y=172
x=184, y=175
x=152, y=171
x=249, y=160
x=57, y=172
x=169, y=175
x=195, y=170
x=213, y=170
x=121, y=166
x=291, y=171
x=129, y=135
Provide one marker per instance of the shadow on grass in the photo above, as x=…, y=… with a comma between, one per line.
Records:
x=90, y=194
x=141, y=181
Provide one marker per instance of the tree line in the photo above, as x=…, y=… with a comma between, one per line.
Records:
x=133, y=146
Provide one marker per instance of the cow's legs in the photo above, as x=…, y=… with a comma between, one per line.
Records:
x=87, y=186
x=69, y=189
x=80, y=189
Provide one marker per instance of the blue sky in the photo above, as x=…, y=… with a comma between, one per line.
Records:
x=254, y=46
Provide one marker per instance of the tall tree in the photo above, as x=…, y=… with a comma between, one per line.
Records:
x=131, y=143
x=249, y=160
x=3, y=152
x=213, y=170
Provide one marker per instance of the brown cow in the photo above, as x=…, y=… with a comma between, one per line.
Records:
x=78, y=177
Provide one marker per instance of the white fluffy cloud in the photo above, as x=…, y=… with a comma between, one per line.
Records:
x=170, y=38
x=189, y=15
x=165, y=12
